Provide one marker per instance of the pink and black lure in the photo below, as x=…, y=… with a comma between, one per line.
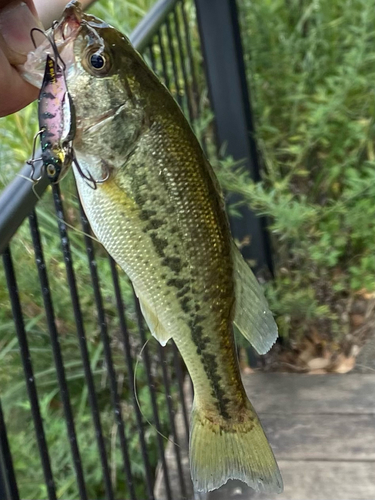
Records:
x=56, y=123
x=56, y=120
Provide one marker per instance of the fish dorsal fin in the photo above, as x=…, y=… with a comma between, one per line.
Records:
x=156, y=327
x=251, y=316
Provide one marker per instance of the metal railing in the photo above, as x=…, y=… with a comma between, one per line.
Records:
x=129, y=442
x=163, y=37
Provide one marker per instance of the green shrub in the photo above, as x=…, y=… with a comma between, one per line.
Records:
x=311, y=71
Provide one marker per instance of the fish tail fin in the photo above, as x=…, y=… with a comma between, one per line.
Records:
x=238, y=450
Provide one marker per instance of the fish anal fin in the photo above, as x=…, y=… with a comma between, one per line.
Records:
x=251, y=314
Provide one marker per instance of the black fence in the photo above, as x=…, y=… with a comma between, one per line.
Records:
x=95, y=425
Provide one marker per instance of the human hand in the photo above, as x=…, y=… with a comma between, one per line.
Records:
x=16, y=21
x=17, y=18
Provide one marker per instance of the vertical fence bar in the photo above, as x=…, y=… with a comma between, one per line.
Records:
x=190, y=56
x=107, y=352
x=173, y=59
x=129, y=365
x=163, y=61
x=29, y=374
x=195, y=99
x=82, y=340
x=183, y=66
x=55, y=346
x=151, y=386
x=8, y=483
x=180, y=380
x=171, y=414
x=224, y=64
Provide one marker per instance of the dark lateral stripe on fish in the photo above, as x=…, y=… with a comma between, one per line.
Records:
x=153, y=224
x=210, y=366
x=147, y=214
x=174, y=263
x=178, y=283
x=183, y=292
x=159, y=244
x=201, y=341
x=184, y=302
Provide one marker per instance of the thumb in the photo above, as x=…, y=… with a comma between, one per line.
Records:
x=16, y=22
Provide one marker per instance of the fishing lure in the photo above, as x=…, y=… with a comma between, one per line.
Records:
x=57, y=124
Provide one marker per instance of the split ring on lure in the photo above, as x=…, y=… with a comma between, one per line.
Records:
x=57, y=125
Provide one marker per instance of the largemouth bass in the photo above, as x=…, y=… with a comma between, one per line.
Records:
x=161, y=216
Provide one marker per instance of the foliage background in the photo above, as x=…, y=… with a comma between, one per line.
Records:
x=311, y=68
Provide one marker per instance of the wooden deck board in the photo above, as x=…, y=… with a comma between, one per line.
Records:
x=278, y=393
x=321, y=437
x=312, y=480
x=322, y=429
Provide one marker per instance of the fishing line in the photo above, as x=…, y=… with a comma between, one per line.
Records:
x=51, y=212
x=33, y=185
x=136, y=395
x=52, y=42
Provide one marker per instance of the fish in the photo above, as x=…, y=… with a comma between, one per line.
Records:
x=161, y=215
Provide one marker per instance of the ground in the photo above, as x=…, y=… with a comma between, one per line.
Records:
x=322, y=430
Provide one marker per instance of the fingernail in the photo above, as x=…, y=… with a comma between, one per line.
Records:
x=16, y=22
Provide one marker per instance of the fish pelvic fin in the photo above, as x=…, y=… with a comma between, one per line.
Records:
x=156, y=327
x=237, y=450
x=252, y=316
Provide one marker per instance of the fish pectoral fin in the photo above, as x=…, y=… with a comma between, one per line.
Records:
x=231, y=451
x=156, y=327
x=251, y=315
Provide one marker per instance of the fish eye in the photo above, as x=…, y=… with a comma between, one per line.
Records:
x=97, y=61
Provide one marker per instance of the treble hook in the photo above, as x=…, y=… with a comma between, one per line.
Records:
x=33, y=159
x=52, y=42
x=89, y=178
x=66, y=147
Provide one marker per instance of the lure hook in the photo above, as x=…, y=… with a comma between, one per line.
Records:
x=52, y=42
x=64, y=147
x=89, y=178
x=33, y=159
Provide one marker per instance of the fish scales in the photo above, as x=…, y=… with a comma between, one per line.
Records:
x=160, y=215
x=163, y=222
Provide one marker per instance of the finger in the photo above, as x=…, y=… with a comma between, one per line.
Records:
x=14, y=91
x=29, y=3
x=16, y=22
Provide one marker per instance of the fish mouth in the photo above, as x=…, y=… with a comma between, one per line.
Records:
x=59, y=40
x=72, y=18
